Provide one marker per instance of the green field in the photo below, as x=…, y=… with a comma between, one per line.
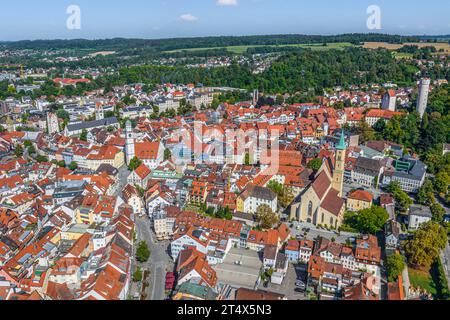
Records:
x=422, y=279
x=242, y=49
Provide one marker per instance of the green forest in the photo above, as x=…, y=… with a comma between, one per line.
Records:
x=295, y=71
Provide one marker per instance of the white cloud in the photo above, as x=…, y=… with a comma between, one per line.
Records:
x=226, y=2
x=188, y=17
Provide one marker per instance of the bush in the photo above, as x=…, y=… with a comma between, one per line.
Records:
x=137, y=275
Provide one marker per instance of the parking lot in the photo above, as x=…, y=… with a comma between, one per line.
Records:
x=313, y=232
x=288, y=286
x=242, y=275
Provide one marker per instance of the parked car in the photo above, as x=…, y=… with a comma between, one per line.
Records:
x=170, y=281
x=300, y=284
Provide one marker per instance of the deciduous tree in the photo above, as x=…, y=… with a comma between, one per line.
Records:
x=424, y=248
x=135, y=163
x=265, y=217
x=394, y=265
x=142, y=252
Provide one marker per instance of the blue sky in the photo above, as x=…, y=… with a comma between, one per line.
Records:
x=46, y=19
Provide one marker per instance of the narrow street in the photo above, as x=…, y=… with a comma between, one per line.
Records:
x=159, y=262
x=121, y=179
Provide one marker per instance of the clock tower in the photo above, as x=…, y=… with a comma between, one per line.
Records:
x=339, y=165
x=129, y=142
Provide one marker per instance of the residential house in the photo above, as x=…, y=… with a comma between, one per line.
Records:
x=418, y=215
x=132, y=197
x=358, y=200
x=392, y=234
x=255, y=196
x=140, y=176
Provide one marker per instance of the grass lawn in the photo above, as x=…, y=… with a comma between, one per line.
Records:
x=194, y=208
x=422, y=279
x=242, y=49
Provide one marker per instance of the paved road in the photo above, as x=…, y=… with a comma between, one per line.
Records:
x=406, y=282
x=296, y=230
x=159, y=262
x=121, y=179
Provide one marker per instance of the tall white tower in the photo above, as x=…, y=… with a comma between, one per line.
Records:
x=255, y=96
x=99, y=113
x=52, y=123
x=129, y=142
x=422, y=99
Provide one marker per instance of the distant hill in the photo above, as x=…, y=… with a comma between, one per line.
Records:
x=118, y=44
x=437, y=37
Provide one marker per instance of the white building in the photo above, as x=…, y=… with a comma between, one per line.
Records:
x=255, y=196
x=161, y=225
x=134, y=112
x=367, y=172
x=52, y=123
x=192, y=238
x=140, y=176
x=418, y=215
x=132, y=198
x=389, y=100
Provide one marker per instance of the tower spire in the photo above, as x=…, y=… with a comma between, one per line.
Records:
x=341, y=145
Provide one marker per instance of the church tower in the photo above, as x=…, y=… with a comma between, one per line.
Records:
x=339, y=165
x=129, y=142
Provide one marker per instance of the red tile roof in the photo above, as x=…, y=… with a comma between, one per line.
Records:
x=142, y=171
x=361, y=195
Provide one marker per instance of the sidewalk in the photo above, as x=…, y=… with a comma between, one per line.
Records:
x=406, y=283
x=445, y=260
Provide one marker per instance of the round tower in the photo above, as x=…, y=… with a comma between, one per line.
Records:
x=422, y=99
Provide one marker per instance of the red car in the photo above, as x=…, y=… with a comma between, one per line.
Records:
x=170, y=280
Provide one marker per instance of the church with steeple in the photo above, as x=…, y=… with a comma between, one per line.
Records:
x=321, y=202
x=151, y=153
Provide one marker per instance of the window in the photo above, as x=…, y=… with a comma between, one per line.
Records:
x=310, y=205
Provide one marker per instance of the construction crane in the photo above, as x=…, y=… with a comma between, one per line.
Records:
x=10, y=66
